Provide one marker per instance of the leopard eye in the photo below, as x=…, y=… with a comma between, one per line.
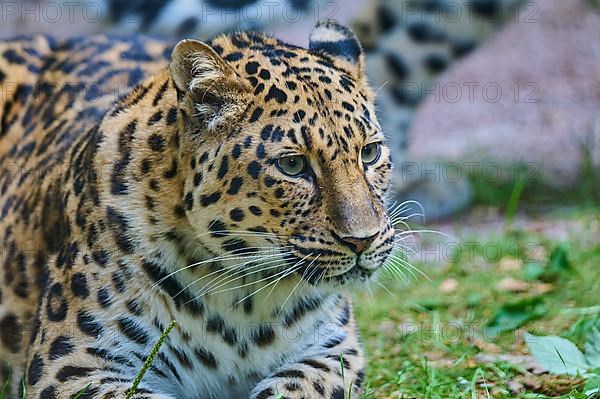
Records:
x=370, y=153
x=292, y=165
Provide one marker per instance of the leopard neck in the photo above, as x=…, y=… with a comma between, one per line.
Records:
x=138, y=161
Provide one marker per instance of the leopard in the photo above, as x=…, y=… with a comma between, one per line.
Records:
x=221, y=198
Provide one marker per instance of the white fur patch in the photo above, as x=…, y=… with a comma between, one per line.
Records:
x=326, y=33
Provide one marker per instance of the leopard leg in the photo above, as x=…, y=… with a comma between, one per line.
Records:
x=329, y=370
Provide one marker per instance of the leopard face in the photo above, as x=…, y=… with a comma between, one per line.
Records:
x=284, y=157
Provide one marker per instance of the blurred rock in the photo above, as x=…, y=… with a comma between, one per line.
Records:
x=552, y=55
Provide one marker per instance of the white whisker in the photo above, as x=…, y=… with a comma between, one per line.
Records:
x=239, y=233
x=381, y=87
x=234, y=269
x=396, y=272
x=385, y=288
x=401, y=264
x=405, y=232
x=296, y=266
x=296, y=286
x=408, y=266
x=278, y=262
x=396, y=219
x=227, y=256
x=402, y=207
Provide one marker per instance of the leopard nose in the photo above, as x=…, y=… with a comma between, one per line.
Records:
x=358, y=244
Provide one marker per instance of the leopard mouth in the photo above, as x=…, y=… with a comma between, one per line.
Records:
x=317, y=275
x=356, y=273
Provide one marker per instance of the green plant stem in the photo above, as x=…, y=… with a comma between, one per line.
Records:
x=149, y=360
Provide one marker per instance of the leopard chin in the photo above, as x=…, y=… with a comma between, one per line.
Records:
x=354, y=274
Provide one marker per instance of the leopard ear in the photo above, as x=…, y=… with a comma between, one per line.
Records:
x=208, y=88
x=333, y=39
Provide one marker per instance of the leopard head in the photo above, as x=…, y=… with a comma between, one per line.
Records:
x=284, y=159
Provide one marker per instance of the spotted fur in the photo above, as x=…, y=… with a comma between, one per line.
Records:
x=136, y=191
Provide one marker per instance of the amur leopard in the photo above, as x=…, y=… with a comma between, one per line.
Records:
x=238, y=190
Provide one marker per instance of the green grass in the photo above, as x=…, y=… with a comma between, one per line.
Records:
x=505, y=186
x=150, y=359
x=4, y=389
x=424, y=343
x=81, y=392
